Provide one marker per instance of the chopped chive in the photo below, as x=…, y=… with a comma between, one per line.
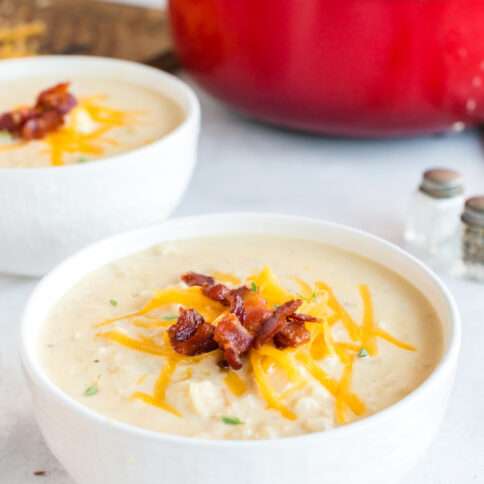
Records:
x=113, y=302
x=91, y=390
x=253, y=286
x=232, y=421
x=171, y=317
x=82, y=159
x=363, y=353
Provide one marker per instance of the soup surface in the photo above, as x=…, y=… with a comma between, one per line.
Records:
x=112, y=116
x=374, y=338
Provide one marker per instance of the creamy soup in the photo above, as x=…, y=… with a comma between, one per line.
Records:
x=112, y=116
x=373, y=340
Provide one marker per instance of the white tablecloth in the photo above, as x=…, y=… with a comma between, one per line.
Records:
x=248, y=166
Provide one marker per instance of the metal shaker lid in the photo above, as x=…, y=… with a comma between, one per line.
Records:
x=474, y=211
x=442, y=183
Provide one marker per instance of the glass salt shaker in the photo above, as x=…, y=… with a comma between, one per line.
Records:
x=472, y=239
x=433, y=217
x=434, y=211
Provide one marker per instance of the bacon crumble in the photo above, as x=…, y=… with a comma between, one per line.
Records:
x=249, y=324
x=191, y=335
x=275, y=322
x=47, y=115
x=233, y=339
x=232, y=298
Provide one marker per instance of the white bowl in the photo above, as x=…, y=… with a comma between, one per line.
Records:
x=379, y=449
x=46, y=214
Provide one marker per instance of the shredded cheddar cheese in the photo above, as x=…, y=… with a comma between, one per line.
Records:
x=270, y=289
x=122, y=339
x=235, y=384
x=298, y=366
x=368, y=336
x=20, y=40
x=343, y=388
x=268, y=394
x=85, y=130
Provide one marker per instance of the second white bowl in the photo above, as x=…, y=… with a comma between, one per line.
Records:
x=48, y=213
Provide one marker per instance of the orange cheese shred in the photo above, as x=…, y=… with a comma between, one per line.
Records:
x=368, y=327
x=265, y=389
x=351, y=327
x=306, y=290
x=356, y=405
x=394, y=341
x=269, y=287
x=235, y=384
x=191, y=297
x=342, y=392
x=123, y=339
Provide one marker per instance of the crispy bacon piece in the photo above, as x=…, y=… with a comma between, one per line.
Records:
x=301, y=318
x=256, y=311
x=234, y=298
x=291, y=334
x=234, y=340
x=274, y=323
x=217, y=292
x=236, y=302
x=45, y=116
x=38, y=126
x=191, y=335
x=195, y=279
x=56, y=98
x=10, y=121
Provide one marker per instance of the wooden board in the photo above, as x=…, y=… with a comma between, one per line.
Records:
x=87, y=27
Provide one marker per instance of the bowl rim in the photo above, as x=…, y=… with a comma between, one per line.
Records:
x=39, y=377
x=191, y=111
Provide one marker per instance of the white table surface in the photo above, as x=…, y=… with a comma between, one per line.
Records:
x=247, y=166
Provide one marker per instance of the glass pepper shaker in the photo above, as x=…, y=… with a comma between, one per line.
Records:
x=472, y=239
x=433, y=217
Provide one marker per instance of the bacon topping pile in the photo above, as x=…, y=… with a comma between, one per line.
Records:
x=250, y=323
x=47, y=115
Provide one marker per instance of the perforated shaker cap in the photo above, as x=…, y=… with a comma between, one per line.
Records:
x=442, y=183
x=474, y=211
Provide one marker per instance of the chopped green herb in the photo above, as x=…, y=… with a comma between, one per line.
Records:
x=253, y=286
x=232, y=421
x=113, y=302
x=313, y=296
x=363, y=353
x=171, y=317
x=91, y=390
x=82, y=159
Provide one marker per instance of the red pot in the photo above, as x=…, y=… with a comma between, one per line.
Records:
x=345, y=67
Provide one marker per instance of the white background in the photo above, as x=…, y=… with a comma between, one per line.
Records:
x=246, y=166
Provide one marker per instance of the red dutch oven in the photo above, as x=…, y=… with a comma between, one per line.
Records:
x=346, y=67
